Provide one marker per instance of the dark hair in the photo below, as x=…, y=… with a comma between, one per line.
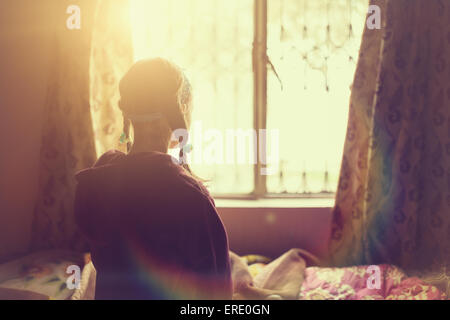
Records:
x=157, y=86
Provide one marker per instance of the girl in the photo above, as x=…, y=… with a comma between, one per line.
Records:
x=153, y=227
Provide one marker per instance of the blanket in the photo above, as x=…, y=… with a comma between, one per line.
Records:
x=299, y=275
x=280, y=279
x=43, y=275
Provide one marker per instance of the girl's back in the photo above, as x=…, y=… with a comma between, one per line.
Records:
x=153, y=229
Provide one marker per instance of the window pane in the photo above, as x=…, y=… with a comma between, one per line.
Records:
x=316, y=69
x=212, y=40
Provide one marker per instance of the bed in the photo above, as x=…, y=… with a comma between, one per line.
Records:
x=294, y=276
x=43, y=276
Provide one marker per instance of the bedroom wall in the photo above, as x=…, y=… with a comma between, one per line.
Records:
x=25, y=42
x=273, y=231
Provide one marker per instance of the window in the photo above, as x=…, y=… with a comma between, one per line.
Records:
x=285, y=66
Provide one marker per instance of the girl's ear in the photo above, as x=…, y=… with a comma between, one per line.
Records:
x=184, y=108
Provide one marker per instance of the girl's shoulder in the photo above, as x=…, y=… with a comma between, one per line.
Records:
x=109, y=157
x=198, y=188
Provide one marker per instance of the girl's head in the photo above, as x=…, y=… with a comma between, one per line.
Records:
x=155, y=96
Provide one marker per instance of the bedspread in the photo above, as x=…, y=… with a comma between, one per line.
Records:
x=292, y=277
x=360, y=283
x=43, y=275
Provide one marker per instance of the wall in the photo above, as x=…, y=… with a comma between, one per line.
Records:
x=25, y=42
x=273, y=231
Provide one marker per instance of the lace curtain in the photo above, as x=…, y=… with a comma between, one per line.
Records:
x=313, y=48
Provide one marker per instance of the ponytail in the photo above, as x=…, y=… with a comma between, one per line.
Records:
x=126, y=133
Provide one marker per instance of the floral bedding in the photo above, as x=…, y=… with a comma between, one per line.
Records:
x=352, y=283
x=43, y=273
x=358, y=283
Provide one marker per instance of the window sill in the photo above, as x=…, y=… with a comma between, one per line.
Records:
x=276, y=203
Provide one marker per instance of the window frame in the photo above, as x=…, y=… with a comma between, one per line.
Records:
x=260, y=62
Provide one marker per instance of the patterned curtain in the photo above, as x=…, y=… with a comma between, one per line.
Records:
x=81, y=118
x=393, y=199
x=67, y=144
x=112, y=56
